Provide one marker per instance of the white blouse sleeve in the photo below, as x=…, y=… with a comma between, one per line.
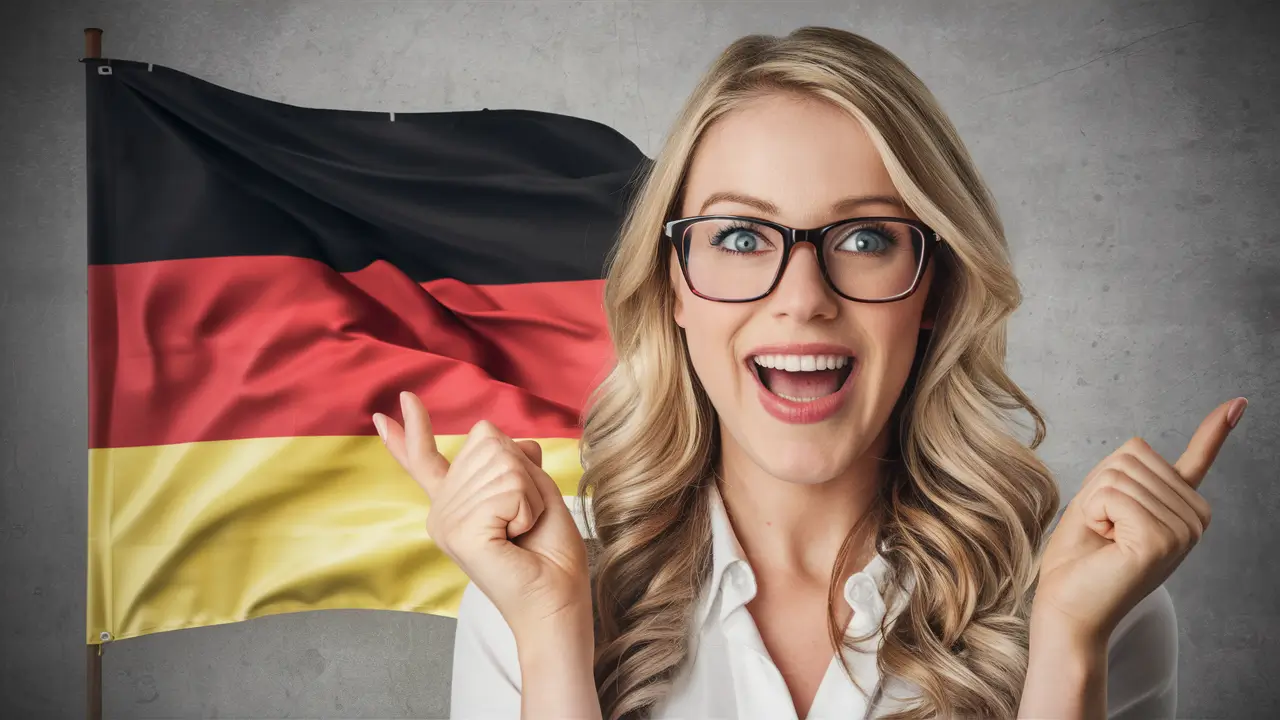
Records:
x=1142, y=661
x=486, y=669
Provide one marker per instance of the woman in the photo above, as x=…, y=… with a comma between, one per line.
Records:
x=803, y=448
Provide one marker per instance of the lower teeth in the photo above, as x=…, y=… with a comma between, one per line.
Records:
x=795, y=399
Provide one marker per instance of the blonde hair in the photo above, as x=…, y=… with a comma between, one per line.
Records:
x=964, y=505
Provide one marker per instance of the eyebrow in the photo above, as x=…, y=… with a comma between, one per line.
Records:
x=764, y=206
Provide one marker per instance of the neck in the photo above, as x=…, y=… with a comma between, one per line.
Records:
x=796, y=530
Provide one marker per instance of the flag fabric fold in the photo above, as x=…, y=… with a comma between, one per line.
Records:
x=264, y=277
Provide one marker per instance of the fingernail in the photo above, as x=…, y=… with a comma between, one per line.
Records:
x=379, y=423
x=404, y=402
x=1235, y=411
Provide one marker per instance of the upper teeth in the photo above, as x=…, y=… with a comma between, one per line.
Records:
x=801, y=363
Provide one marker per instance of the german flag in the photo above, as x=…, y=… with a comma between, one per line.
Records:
x=264, y=277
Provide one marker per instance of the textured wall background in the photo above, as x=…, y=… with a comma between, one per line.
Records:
x=1133, y=148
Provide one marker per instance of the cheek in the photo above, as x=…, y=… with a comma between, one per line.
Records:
x=703, y=333
x=894, y=334
x=709, y=331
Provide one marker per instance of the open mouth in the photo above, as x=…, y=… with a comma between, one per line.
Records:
x=803, y=378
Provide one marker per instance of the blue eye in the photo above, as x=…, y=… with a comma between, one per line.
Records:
x=738, y=240
x=865, y=240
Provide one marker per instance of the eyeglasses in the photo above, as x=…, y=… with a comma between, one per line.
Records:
x=730, y=258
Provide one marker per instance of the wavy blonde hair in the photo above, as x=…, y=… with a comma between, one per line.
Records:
x=964, y=504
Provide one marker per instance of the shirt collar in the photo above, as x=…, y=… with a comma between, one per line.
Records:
x=733, y=582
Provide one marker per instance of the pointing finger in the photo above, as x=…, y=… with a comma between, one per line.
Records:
x=426, y=464
x=393, y=437
x=1207, y=441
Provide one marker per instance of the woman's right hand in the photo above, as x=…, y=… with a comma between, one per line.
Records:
x=499, y=516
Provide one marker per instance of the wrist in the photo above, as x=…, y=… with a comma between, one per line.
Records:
x=1053, y=632
x=1071, y=656
x=1066, y=673
x=563, y=636
x=557, y=668
x=1066, y=655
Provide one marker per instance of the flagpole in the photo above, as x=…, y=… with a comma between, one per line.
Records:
x=93, y=704
x=93, y=42
x=93, y=666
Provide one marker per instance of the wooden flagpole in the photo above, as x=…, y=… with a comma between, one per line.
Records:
x=93, y=666
x=93, y=703
x=93, y=42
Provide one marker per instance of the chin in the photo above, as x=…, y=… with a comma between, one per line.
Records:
x=809, y=461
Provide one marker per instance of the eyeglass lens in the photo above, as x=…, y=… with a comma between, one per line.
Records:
x=865, y=259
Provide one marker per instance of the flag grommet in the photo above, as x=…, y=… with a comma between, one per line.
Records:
x=104, y=636
x=104, y=69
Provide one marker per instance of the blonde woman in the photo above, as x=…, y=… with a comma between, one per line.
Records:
x=806, y=496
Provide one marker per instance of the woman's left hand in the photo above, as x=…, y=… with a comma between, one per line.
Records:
x=1134, y=520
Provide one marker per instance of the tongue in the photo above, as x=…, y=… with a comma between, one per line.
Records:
x=811, y=384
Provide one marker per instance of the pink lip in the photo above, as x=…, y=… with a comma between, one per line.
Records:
x=799, y=413
x=801, y=349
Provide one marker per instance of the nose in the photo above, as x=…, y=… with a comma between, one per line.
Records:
x=802, y=293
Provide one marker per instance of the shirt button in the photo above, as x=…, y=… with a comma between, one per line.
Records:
x=859, y=591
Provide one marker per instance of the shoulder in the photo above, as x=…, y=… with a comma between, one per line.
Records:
x=1142, y=660
x=1151, y=624
x=484, y=647
x=477, y=611
x=480, y=622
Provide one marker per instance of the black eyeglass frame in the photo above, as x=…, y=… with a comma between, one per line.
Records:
x=675, y=231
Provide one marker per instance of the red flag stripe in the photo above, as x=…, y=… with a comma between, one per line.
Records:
x=244, y=347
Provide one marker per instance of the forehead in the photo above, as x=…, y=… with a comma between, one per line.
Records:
x=802, y=155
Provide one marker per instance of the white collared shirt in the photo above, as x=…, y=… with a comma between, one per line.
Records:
x=730, y=674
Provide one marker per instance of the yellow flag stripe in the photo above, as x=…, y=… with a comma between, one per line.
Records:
x=207, y=533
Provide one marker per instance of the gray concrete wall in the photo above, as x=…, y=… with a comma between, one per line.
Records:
x=1133, y=148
